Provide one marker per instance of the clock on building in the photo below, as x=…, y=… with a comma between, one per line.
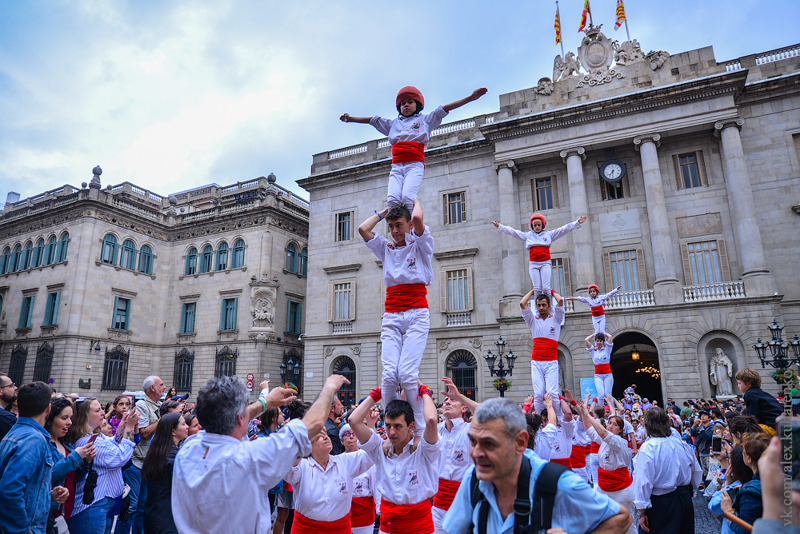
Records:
x=612, y=170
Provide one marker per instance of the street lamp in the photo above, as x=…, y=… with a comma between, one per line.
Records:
x=635, y=354
x=501, y=372
x=782, y=354
x=290, y=370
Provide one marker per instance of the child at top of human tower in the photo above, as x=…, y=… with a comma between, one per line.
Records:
x=409, y=134
x=596, y=301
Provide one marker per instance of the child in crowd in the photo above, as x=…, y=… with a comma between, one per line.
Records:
x=595, y=300
x=758, y=403
x=120, y=406
x=538, y=242
x=409, y=134
x=601, y=357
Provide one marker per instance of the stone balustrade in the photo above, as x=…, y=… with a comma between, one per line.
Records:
x=718, y=291
x=459, y=319
x=343, y=328
x=631, y=299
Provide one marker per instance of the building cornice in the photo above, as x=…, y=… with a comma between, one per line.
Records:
x=346, y=268
x=455, y=253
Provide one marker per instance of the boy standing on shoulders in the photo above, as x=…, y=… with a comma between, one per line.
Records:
x=406, y=321
x=596, y=301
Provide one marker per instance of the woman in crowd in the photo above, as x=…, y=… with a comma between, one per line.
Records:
x=613, y=456
x=120, y=406
x=747, y=503
x=193, y=422
x=157, y=470
x=90, y=517
x=268, y=423
x=285, y=501
x=66, y=458
x=738, y=473
x=741, y=425
x=171, y=393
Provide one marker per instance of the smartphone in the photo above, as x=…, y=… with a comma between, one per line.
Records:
x=92, y=439
x=732, y=493
x=716, y=444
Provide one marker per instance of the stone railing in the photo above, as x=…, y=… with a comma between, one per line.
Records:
x=453, y=127
x=349, y=151
x=778, y=54
x=631, y=299
x=733, y=65
x=130, y=206
x=343, y=328
x=199, y=215
x=718, y=291
x=459, y=319
x=569, y=306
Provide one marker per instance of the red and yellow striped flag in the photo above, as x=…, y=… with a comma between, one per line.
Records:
x=620, y=15
x=557, y=26
x=585, y=15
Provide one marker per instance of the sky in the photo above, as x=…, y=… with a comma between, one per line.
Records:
x=172, y=95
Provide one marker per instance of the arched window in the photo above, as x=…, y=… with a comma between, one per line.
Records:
x=16, y=371
x=225, y=364
x=14, y=262
x=345, y=366
x=222, y=256
x=38, y=252
x=44, y=362
x=183, y=370
x=461, y=367
x=128, y=258
x=109, y=254
x=146, y=260
x=63, y=245
x=115, y=369
x=237, y=260
x=291, y=258
x=25, y=258
x=304, y=262
x=191, y=262
x=5, y=261
x=206, y=259
x=49, y=251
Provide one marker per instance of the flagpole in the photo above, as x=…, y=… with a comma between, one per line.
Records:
x=561, y=40
x=591, y=22
x=626, y=27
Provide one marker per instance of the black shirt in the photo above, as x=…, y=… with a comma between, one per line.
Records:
x=158, y=504
x=333, y=433
x=7, y=420
x=762, y=405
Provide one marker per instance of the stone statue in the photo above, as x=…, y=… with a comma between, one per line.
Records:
x=568, y=66
x=627, y=52
x=720, y=370
x=657, y=58
x=262, y=313
x=544, y=87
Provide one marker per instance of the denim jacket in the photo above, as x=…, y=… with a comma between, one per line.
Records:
x=25, y=469
x=64, y=465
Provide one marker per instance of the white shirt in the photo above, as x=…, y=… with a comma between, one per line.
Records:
x=216, y=477
x=410, y=264
x=603, y=355
x=544, y=238
x=415, y=128
x=599, y=299
x=614, y=452
x=366, y=485
x=454, y=447
x=580, y=437
x=405, y=478
x=562, y=445
x=640, y=433
x=661, y=465
x=545, y=437
x=325, y=494
x=549, y=327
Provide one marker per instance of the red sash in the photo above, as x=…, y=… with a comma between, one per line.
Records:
x=407, y=152
x=362, y=511
x=304, y=525
x=406, y=518
x=539, y=253
x=566, y=462
x=578, y=457
x=447, y=492
x=544, y=349
x=615, y=480
x=602, y=369
x=404, y=297
x=593, y=448
x=598, y=311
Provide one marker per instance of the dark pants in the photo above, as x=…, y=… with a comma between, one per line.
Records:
x=672, y=513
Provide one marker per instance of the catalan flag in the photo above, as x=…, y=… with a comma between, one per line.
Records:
x=620, y=15
x=585, y=15
x=557, y=26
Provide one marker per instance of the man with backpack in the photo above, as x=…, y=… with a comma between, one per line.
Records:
x=510, y=487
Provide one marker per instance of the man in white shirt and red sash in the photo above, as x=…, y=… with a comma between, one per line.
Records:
x=407, y=478
x=366, y=498
x=545, y=328
x=406, y=321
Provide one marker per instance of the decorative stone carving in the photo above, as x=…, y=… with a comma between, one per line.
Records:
x=443, y=345
x=477, y=343
x=545, y=86
x=262, y=306
x=736, y=122
x=720, y=370
x=567, y=66
x=657, y=58
x=328, y=351
x=577, y=151
x=356, y=350
x=648, y=138
x=595, y=52
x=627, y=52
x=600, y=77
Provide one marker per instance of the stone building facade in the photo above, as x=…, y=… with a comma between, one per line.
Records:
x=697, y=218
x=101, y=287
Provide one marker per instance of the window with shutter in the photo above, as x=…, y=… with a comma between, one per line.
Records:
x=625, y=268
x=690, y=170
x=705, y=262
x=51, y=308
x=222, y=256
x=63, y=246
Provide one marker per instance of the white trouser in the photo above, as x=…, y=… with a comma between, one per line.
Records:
x=591, y=466
x=604, y=385
x=438, y=517
x=544, y=376
x=599, y=324
x=364, y=530
x=403, y=339
x=582, y=472
x=540, y=277
x=404, y=182
x=624, y=498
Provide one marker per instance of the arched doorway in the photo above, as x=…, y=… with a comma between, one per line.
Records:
x=345, y=366
x=461, y=368
x=645, y=372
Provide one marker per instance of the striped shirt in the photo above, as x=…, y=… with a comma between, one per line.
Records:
x=111, y=457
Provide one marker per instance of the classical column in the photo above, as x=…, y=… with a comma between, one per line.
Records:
x=756, y=276
x=583, y=248
x=511, y=253
x=667, y=288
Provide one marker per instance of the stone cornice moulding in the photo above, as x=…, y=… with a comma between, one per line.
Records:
x=647, y=138
x=456, y=253
x=126, y=293
x=345, y=268
x=55, y=287
x=577, y=151
x=231, y=292
x=736, y=122
x=295, y=296
x=30, y=291
x=192, y=297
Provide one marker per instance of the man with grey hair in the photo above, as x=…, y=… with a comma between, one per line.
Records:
x=220, y=479
x=149, y=414
x=498, y=446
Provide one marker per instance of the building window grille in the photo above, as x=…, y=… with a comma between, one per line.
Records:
x=461, y=368
x=44, y=362
x=16, y=370
x=115, y=369
x=344, y=366
x=344, y=226
x=455, y=207
x=225, y=364
x=184, y=368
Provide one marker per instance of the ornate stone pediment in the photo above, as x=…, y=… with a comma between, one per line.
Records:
x=595, y=52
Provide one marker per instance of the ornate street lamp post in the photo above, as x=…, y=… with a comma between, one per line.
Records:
x=782, y=355
x=501, y=372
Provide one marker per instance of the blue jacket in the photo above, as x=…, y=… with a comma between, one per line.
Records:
x=64, y=465
x=748, y=504
x=25, y=470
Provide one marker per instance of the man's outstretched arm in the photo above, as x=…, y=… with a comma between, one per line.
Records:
x=318, y=413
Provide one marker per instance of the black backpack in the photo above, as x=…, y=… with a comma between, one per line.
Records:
x=527, y=519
